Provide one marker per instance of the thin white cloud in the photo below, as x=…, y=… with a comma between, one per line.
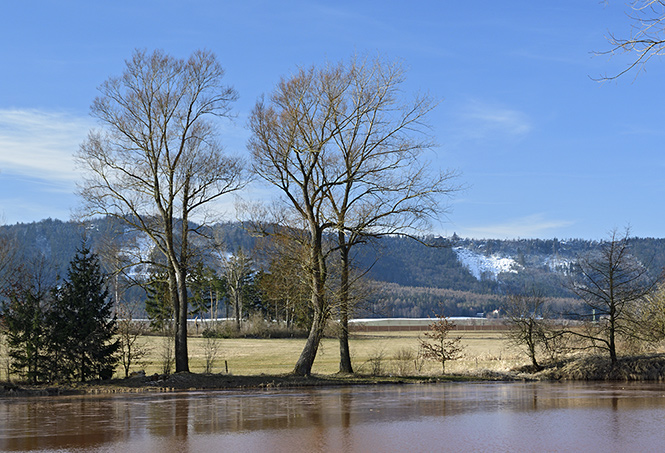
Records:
x=41, y=144
x=532, y=226
x=478, y=120
x=496, y=119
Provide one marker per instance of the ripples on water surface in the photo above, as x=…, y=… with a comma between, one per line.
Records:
x=410, y=418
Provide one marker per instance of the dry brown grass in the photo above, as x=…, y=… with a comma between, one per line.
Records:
x=487, y=354
x=486, y=350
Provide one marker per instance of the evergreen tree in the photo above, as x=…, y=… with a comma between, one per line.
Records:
x=158, y=305
x=24, y=313
x=82, y=320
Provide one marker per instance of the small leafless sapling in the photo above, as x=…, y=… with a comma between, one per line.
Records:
x=130, y=331
x=210, y=350
x=437, y=345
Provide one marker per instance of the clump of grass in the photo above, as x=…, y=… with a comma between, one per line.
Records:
x=404, y=361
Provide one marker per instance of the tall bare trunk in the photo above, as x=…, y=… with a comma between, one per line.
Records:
x=306, y=360
x=181, y=355
x=318, y=281
x=344, y=351
x=237, y=305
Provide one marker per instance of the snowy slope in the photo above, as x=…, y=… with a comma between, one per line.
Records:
x=480, y=265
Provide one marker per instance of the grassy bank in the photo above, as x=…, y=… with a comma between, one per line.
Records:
x=376, y=353
x=378, y=358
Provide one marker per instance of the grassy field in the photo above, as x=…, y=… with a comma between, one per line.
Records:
x=386, y=353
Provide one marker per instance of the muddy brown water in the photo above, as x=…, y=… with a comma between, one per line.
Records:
x=587, y=417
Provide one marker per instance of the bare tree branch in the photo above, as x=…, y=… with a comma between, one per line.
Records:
x=646, y=39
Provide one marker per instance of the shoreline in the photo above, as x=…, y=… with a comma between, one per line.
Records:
x=645, y=368
x=180, y=382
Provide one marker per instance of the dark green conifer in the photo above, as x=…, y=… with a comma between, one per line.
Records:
x=23, y=314
x=158, y=305
x=83, y=322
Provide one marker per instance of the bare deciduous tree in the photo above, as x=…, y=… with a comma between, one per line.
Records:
x=288, y=144
x=346, y=153
x=130, y=333
x=530, y=325
x=210, y=350
x=613, y=286
x=238, y=272
x=438, y=345
x=156, y=161
x=382, y=185
x=282, y=285
x=651, y=317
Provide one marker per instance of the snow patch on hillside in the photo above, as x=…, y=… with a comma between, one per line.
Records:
x=139, y=251
x=480, y=265
x=558, y=264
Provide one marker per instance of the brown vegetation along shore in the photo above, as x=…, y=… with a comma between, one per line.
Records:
x=586, y=368
x=198, y=382
x=648, y=367
x=385, y=358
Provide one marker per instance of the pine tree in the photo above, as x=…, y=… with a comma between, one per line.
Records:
x=158, y=305
x=24, y=314
x=83, y=323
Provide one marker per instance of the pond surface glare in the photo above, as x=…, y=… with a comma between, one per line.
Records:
x=408, y=418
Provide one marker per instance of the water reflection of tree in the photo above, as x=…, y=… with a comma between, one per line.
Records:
x=50, y=424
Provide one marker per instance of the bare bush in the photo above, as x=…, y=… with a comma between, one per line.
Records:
x=167, y=354
x=375, y=364
x=132, y=350
x=210, y=351
x=404, y=361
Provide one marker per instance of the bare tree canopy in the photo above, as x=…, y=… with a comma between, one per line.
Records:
x=646, y=38
x=437, y=343
x=346, y=152
x=156, y=160
x=530, y=326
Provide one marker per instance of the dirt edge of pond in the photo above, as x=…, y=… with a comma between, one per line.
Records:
x=649, y=367
x=201, y=382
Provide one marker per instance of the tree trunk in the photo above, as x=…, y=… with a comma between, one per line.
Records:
x=181, y=356
x=306, y=360
x=531, y=343
x=344, y=351
x=612, y=345
x=237, y=307
x=318, y=281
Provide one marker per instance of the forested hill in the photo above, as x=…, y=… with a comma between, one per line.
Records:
x=56, y=241
x=490, y=267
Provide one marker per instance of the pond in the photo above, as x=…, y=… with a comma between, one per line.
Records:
x=438, y=417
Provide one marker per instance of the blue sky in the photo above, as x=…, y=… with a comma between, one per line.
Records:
x=544, y=150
